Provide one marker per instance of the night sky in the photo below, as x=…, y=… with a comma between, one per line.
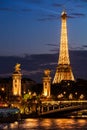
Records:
x=30, y=35
x=33, y=26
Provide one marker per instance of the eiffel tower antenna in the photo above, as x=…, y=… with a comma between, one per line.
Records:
x=64, y=70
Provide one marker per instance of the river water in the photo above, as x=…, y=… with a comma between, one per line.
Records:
x=46, y=124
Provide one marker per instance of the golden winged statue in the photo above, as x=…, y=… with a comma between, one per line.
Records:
x=17, y=67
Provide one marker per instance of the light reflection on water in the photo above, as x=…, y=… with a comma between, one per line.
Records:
x=46, y=124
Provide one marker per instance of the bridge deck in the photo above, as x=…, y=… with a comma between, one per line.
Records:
x=62, y=111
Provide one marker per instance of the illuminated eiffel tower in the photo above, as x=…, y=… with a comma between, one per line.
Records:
x=64, y=70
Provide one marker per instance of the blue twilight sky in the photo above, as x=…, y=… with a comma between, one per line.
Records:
x=33, y=26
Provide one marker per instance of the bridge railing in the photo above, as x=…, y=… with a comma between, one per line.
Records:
x=45, y=107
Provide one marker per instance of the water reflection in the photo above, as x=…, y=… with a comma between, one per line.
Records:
x=46, y=124
x=82, y=123
x=65, y=123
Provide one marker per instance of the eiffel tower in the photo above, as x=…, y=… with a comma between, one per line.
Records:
x=63, y=70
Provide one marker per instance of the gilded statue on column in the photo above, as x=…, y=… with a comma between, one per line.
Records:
x=17, y=67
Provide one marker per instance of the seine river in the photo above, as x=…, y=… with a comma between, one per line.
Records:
x=46, y=124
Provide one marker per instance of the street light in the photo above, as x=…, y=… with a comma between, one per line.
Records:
x=71, y=96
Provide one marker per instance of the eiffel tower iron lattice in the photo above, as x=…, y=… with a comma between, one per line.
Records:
x=64, y=70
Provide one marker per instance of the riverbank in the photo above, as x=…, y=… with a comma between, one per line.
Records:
x=46, y=124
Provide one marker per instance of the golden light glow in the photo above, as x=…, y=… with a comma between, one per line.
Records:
x=64, y=71
x=46, y=83
x=45, y=92
x=47, y=72
x=71, y=96
x=17, y=80
x=2, y=89
x=81, y=96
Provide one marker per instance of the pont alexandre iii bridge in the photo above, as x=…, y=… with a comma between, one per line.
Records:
x=61, y=108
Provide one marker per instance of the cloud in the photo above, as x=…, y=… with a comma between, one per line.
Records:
x=43, y=62
x=54, y=50
x=32, y=72
x=85, y=46
x=26, y=10
x=15, y=10
x=33, y=1
x=43, y=19
x=49, y=17
x=51, y=44
x=69, y=16
x=1, y=2
x=7, y=9
x=84, y=0
x=61, y=3
x=50, y=64
x=46, y=19
x=77, y=47
x=80, y=6
x=56, y=5
x=6, y=75
x=78, y=14
x=36, y=1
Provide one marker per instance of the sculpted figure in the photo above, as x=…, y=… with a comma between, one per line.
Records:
x=17, y=67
